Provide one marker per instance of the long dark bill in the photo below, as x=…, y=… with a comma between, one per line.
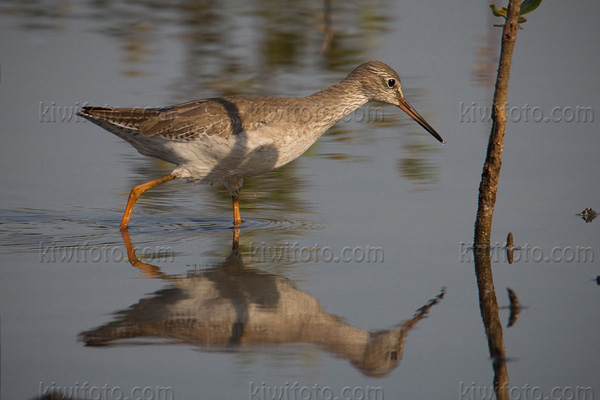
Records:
x=407, y=108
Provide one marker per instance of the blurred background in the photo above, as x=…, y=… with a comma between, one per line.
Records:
x=194, y=317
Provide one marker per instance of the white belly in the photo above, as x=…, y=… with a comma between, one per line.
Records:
x=211, y=159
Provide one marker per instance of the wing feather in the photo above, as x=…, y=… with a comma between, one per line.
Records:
x=188, y=121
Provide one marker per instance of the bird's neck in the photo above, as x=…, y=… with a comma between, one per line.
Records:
x=310, y=117
x=337, y=101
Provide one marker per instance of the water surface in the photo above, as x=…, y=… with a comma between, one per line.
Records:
x=380, y=185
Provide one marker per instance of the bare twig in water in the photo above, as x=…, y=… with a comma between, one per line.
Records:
x=493, y=162
x=488, y=189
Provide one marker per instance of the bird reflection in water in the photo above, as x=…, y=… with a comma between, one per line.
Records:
x=229, y=307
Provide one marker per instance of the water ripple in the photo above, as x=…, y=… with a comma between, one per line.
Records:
x=25, y=230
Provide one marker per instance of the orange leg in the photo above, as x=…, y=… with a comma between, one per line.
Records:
x=237, y=219
x=135, y=194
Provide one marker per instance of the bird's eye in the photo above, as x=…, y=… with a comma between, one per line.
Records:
x=391, y=83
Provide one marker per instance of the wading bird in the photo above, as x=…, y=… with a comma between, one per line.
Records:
x=224, y=140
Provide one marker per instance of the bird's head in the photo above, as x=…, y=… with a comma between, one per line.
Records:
x=381, y=83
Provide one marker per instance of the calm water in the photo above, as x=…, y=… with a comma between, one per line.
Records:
x=189, y=318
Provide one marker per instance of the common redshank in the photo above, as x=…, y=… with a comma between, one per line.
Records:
x=224, y=140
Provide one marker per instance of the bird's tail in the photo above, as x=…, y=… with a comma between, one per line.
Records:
x=128, y=118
